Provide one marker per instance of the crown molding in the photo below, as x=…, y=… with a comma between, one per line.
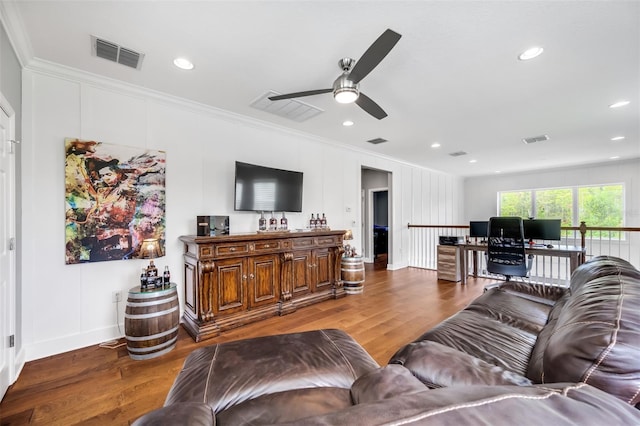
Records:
x=43, y=67
x=12, y=23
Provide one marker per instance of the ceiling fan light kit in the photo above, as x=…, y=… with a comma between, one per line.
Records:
x=346, y=87
x=345, y=91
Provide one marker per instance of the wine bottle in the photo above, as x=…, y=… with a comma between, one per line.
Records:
x=323, y=222
x=262, y=222
x=273, y=222
x=312, y=221
x=318, y=220
x=152, y=275
x=284, y=223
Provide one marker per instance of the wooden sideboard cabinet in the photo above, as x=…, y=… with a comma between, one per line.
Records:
x=231, y=280
x=449, y=263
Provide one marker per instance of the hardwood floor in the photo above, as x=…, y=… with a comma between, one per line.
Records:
x=98, y=386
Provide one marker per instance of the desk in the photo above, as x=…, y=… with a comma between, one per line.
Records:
x=573, y=253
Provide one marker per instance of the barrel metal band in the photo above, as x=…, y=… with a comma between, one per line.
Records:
x=153, y=336
x=151, y=348
x=155, y=302
x=152, y=314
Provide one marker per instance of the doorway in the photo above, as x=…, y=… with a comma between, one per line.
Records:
x=376, y=212
x=7, y=249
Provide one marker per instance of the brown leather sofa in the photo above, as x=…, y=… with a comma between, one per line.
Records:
x=518, y=354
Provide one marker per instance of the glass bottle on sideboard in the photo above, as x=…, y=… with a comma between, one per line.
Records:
x=273, y=223
x=262, y=222
x=284, y=222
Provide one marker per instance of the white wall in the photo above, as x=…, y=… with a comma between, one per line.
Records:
x=481, y=192
x=69, y=306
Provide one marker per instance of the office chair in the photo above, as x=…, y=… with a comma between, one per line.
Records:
x=505, y=248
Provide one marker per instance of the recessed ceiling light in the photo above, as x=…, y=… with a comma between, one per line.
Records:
x=473, y=161
x=347, y=123
x=617, y=138
x=498, y=171
x=615, y=157
x=435, y=145
x=183, y=63
x=531, y=53
x=619, y=104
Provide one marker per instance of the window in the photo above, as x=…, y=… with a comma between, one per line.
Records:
x=600, y=205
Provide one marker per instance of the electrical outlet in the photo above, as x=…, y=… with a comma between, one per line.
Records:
x=116, y=296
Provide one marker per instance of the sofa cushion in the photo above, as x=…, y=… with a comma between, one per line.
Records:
x=485, y=338
x=437, y=365
x=229, y=373
x=557, y=405
x=596, y=336
x=383, y=383
x=288, y=406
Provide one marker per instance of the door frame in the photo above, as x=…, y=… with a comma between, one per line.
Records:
x=8, y=316
x=370, y=258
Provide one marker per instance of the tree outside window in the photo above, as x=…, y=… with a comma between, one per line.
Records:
x=601, y=205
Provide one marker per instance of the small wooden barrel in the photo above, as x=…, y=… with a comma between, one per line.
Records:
x=352, y=274
x=151, y=321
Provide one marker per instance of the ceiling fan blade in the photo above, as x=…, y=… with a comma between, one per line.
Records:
x=374, y=54
x=299, y=94
x=370, y=107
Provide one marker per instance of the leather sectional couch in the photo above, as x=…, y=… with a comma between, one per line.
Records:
x=518, y=354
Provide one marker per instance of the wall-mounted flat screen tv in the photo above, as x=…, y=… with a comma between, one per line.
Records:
x=260, y=188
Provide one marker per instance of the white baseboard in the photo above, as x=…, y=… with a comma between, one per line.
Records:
x=71, y=342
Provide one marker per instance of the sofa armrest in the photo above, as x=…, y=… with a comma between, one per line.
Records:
x=186, y=413
x=437, y=365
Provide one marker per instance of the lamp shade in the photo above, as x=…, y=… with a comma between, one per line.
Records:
x=151, y=248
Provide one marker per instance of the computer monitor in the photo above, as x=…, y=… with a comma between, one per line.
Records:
x=478, y=229
x=542, y=229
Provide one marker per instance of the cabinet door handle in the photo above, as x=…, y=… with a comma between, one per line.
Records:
x=267, y=246
x=232, y=249
x=244, y=277
x=251, y=276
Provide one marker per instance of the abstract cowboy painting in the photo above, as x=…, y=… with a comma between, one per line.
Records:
x=114, y=199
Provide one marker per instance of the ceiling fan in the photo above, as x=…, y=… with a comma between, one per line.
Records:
x=346, y=87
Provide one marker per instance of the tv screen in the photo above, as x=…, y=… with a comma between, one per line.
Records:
x=260, y=188
x=541, y=229
x=478, y=229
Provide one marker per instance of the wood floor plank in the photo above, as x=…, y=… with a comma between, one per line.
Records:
x=98, y=386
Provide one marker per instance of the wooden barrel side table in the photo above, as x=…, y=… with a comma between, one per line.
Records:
x=352, y=274
x=151, y=322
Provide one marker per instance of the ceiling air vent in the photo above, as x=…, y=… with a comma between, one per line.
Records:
x=535, y=139
x=376, y=141
x=292, y=109
x=115, y=53
x=457, y=153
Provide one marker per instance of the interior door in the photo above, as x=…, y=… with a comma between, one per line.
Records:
x=7, y=246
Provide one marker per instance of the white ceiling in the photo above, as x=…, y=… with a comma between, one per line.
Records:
x=453, y=78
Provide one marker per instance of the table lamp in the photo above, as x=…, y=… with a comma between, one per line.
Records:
x=151, y=250
x=349, y=251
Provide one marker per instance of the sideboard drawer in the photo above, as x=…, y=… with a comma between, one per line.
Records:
x=267, y=246
x=303, y=242
x=331, y=240
x=229, y=249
